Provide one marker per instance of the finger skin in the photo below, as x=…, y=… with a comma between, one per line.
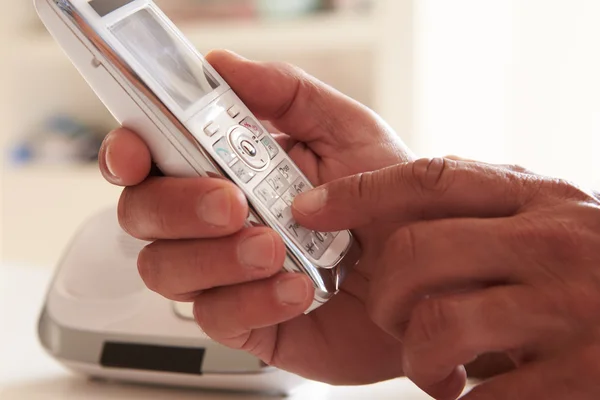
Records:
x=295, y=102
x=447, y=332
x=124, y=158
x=229, y=315
x=426, y=189
x=513, y=167
x=433, y=258
x=179, y=270
x=182, y=208
x=572, y=375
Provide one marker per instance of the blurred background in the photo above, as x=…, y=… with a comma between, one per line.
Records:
x=499, y=80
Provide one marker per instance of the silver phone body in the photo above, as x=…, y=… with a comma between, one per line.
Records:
x=154, y=81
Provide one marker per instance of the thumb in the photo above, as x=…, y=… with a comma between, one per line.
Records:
x=425, y=189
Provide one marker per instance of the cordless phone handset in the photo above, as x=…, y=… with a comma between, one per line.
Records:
x=154, y=81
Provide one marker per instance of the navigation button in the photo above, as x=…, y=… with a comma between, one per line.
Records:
x=224, y=151
x=249, y=149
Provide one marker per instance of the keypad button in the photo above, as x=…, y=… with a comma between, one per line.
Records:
x=288, y=171
x=277, y=182
x=289, y=196
x=211, y=129
x=297, y=232
x=316, y=244
x=234, y=111
x=249, y=149
x=243, y=172
x=270, y=145
x=224, y=151
x=252, y=125
x=282, y=212
x=266, y=194
x=300, y=186
x=324, y=238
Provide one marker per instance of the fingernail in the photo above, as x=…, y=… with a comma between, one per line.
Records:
x=236, y=55
x=311, y=202
x=292, y=290
x=109, y=165
x=107, y=155
x=257, y=251
x=227, y=52
x=215, y=208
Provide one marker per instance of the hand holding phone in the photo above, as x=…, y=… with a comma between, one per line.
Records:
x=154, y=81
x=336, y=137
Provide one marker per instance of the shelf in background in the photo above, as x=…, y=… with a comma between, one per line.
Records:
x=320, y=32
x=327, y=31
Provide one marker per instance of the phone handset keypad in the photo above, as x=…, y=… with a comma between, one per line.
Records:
x=278, y=190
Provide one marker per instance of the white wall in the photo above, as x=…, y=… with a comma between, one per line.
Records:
x=511, y=81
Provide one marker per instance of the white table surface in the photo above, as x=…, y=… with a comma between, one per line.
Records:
x=27, y=373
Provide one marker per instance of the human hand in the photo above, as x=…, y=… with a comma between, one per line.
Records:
x=201, y=253
x=496, y=260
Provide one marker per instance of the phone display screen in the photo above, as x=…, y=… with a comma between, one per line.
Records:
x=168, y=61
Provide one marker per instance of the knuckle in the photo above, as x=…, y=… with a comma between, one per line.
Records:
x=207, y=316
x=125, y=213
x=149, y=267
x=518, y=168
x=402, y=246
x=551, y=242
x=431, y=176
x=240, y=307
x=361, y=185
x=287, y=67
x=564, y=189
x=385, y=293
x=202, y=317
x=527, y=187
x=382, y=313
x=432, y=318
x=161, y=214
x=302, y=89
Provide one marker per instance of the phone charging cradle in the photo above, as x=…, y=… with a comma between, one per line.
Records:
x=100, y=320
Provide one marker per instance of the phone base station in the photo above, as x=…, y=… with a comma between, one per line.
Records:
x=99, y=320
